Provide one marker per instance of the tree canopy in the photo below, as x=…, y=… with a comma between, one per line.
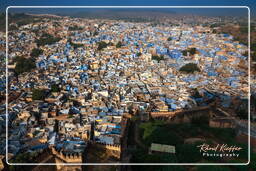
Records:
x=102, y=45
x=169, y=39
x=75, y=45
x=24, y=65
x=138, y=54
x=36, y=52
x=190, y=68
x=119, y=44
x=157, y=58
x=47, y=39
x=55, y=88
x=38, y=94
x=74, y=28
x=191, y=51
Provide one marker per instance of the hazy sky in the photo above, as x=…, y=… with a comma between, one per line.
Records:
x=249, y=3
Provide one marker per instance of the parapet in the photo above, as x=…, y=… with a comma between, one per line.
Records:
x=114, y=147
x=68, y=157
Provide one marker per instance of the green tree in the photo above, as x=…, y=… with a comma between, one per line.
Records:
x=169, y=39
x=191, y=51
x=75, y=45
x=55, y=88
x=214, y=25
x=184, y=52
x=74, y=28
x=119, y=44
x=157, y=58
x=47, y=39
x=190, y=68
x=38, y=94
x=102, y=45
x=138, y=54
x=24, y=65
x=36, y=52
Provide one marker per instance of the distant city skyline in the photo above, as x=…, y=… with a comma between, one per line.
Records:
x=241, y=12
x=250, y=3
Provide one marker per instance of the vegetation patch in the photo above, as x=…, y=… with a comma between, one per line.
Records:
x=191, y=51
x=55, y=88
x=190, y=68
x=36, y=52
x=102, y=45
x=74, y=28
x=157, y=58
x=119, y=44
x=75, y=45
x=24, y=64
x=175, y=134
x=47, y=39
x=38, y=94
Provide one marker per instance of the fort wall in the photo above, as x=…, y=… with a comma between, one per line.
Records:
x=68, y=157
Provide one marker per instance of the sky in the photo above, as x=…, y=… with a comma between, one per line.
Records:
x=250, y=3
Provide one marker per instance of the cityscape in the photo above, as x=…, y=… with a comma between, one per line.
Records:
x=126, y=86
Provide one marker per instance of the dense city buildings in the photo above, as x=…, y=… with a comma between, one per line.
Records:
x=103, y=90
